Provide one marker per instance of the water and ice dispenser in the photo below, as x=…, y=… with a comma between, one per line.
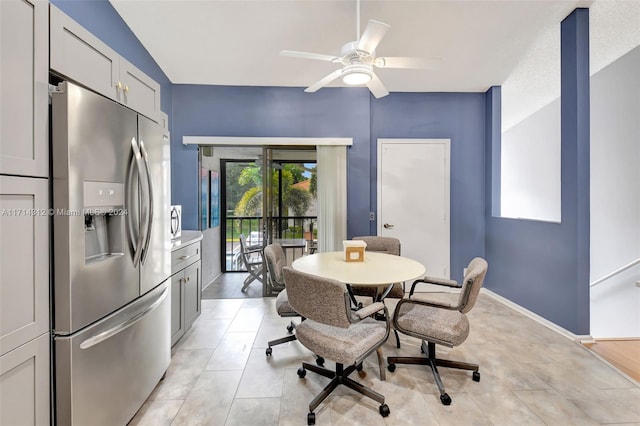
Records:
x=104, y=216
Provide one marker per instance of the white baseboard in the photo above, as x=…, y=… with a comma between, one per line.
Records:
x=537, y=318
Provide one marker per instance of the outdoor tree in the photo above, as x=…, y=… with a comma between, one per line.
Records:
x=294, y=199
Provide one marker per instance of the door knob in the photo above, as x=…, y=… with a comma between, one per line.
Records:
x=388, y=226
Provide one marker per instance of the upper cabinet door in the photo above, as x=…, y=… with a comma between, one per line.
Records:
x=81, y=56
x=139, y=92
x=24, y=67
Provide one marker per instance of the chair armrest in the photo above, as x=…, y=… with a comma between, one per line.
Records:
x=426, y=303
x=436, y=281
x=369, y=310
x=253, y=249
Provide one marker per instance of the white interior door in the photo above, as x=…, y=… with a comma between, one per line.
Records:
x=413, y=199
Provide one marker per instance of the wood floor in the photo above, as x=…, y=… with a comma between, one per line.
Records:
x=624, y=354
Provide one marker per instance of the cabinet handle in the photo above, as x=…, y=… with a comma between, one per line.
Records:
x=185, y=257
x=119, y=85
x=188, y=278
x=126, y=89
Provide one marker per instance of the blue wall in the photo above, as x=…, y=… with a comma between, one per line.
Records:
x=544, y=267
x=270, y=111
x=102, y=20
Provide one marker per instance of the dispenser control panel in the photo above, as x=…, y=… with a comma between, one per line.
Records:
x=103, y=194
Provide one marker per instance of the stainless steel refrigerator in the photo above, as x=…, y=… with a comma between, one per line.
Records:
x=111, y=257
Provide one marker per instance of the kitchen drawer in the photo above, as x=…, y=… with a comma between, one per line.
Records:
x=184, y=256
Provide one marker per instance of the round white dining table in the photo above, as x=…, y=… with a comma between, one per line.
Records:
x=376, y=269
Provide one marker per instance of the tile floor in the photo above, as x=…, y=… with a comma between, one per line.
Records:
x=219, y=375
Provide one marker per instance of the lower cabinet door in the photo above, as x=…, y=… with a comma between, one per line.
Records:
x=192, y=285
x=177, y=315
x=24, y=384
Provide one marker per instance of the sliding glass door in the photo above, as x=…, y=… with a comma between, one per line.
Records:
x=269, y=197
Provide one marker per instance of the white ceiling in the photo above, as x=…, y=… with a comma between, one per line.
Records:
x=479, y=43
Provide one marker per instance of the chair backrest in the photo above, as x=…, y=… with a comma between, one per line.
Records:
x=243, y=243
x=388, y=245
x=473, y=280
x=276, y=260
x=319, y=299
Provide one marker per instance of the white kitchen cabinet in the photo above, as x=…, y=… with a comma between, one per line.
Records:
x=24, y=260
x=77, y=54
x=24, y=384
x=186, y=283
x=24, y=67
x=177, y=313
x=192, y=284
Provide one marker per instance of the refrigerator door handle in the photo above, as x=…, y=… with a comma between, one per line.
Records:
x=145, y=157
x=137, y=159
x=101, y=337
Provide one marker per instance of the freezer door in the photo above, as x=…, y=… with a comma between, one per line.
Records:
x=93, y=270
x=106, y=372
x=155, y=204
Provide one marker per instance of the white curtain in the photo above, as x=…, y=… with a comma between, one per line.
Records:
x=332, y=197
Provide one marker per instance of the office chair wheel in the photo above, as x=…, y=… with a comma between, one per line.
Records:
x=311, y=418
x=476, y=376
x=391, y=367
x=290, y=328
x=359, y=367
x=302, y=372
x=320, y=361
x=384, y=410
x=269, y=351
x=445, y=399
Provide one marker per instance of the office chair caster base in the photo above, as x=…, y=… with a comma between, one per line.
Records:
x=445, y=399
x=269, y=351
x=320, y=361
x=476, y=376
x=301, y=373
x=391, y=367
x=311, y=418
x=384, y=410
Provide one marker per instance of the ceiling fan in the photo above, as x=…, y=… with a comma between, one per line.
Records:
x=358, y=59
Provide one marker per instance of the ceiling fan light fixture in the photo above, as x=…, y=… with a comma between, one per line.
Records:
x=358, y=74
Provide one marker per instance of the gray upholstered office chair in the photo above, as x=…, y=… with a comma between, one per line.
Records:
x=387, y=245
x=276, y=261
x=333, y=331
x=251, y=257
x=440, y=322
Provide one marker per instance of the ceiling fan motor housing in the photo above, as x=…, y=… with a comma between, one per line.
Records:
x=351, y=55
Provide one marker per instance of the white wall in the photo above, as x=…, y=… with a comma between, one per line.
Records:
x=530, y=186
x=615, y=196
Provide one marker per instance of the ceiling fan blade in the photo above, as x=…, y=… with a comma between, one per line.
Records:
x=308, y=55
x=406, y=62
x=326, y=80
x=376, y=87
x=372, y=36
